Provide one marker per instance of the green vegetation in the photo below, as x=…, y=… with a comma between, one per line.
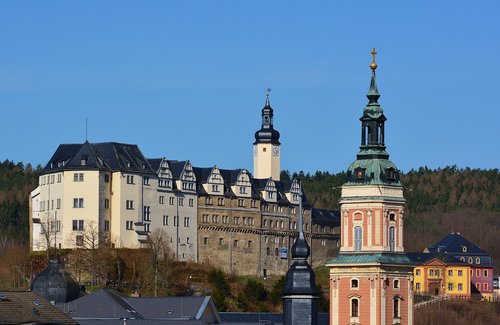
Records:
x=459, y=313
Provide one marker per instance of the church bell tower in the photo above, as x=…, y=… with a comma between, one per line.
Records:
x=266, y=154
x=371, y=278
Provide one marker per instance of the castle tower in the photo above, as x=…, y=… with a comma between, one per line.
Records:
x=371, y=278
x=266, y=156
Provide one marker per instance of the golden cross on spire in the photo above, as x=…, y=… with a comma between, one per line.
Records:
x=373, y=65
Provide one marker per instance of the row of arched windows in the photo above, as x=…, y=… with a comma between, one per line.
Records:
x=358, y=238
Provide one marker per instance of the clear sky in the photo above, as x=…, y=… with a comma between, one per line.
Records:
x=186, y=79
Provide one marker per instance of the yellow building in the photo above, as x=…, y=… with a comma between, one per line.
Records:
x=440, y=275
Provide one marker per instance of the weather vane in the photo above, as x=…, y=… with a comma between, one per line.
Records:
x=268, y=91
x=373, y=65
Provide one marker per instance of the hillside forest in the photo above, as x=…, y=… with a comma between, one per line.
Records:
x=439, y=201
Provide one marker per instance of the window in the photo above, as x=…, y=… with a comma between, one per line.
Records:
x=391, y=238
x=358, y=233
x=129, y=204
x=469, y=260
x=147, y=213
x=464, y=249
x=253, y=203
x=186, y=221
x=78, y=225
x=270, y=195
x=79, y=240
x=145, y=180
x=459, y=272
x=129, y=225
x=485, y=273
x=106, y=225
x=181, y=202
x=59, y=178
x=176, y=221
x=450, y=272
x=478, y=286
x=165, y=220
x=215, y=188
x=243, y=190
x=221, y=241
x=460, y=287
x=241, y=203
x=396, y=308
x=162, y=199
x=52, y=179
x=396, y=284
x=147, y=227
x=478, y=273
x=249, y=244
x=191, y=202
x=130, y=179
x=78, y=177
x=235, y=243
x=485, y=286
x=268, y=251
x=392, y=217
x=58, y=203
x=187, y=240
x=450, y=286
x=208, y=201
x=478, y=260
x=354, y=307
x=220, y=201
x=171, y=200
x=417, y=286
x=106, y=178
x=354, y=283
x=77, y=203
x=205, y=241
x=431, y=272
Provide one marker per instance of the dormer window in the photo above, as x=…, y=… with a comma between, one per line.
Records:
x=391, y=174
x=359, y=173
x=83, y=161
x=215, y=188
x=464, y=249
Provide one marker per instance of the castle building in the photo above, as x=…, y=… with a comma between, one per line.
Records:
x=95, y=194
x=371, y=278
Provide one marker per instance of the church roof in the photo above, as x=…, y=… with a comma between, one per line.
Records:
x=371, y=258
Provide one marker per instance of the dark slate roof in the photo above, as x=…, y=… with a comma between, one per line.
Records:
x=371, y=258
x=155, y=163
x=202, y=173
x=107, y=155
x=29, y=308
x=55, y=284
x=263, y=318
x=110, y=304
x=176, y=167
x=453, y=244
x=325, y=217
x=422, y=258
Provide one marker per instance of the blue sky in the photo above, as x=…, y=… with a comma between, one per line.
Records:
x=186, y=79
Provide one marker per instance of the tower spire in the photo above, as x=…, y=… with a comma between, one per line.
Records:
x=373, y=94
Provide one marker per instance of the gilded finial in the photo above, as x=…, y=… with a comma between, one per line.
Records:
x=373, y=65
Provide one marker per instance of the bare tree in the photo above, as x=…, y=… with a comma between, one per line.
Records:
x=159, y=250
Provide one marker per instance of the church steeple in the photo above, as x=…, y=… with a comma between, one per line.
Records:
x=267, y=133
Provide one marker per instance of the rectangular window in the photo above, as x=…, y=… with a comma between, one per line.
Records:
x=106, y=203
x=187, y=240
x=485, y=286
x=147, y=227
x=171, y=200
x=145, y=180
x=191, y=202
x=162, y=199
x=215, y=188
x=130, y=179
x=78, y=177
x=205, y=241
x=80, y=225
x=485, y=273
x=253, y=203
x=249, y=244
x=78, y=202
x=221, y=241
x=460, y=287
x=450, y=272
x=243, y=190
x=58, y=203
x=431, y=272
x=106, y=225
x=417, y=286
x=459, y=272
x=450, y=286
x=478, y=273
x=186, y=222
x=175, y=221
x=235, y=243
x=59, y=178
x=165, y=220
x=220, y=201
x=147, y=213
x=181, y=202
x=77, y=225
x=129, y=204
x=79, y=240
x=106, y=178
x=241, y=203
x=52, y=179
x=129, y=225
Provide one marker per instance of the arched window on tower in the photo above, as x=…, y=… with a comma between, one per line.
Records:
x=354, y=307
x=358, y=238
x=392, y=238
x=396, y=307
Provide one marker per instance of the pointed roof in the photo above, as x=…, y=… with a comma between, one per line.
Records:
x=267, y=133
x=454, y=243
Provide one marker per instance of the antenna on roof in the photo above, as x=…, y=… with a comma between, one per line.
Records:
x=86, y=130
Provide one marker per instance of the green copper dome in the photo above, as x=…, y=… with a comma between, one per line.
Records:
x=372, y=165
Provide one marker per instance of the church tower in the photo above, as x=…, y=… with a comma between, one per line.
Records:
x=371, y=278
x=266, y=154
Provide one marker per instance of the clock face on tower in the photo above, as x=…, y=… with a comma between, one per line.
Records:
x=276, y=150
